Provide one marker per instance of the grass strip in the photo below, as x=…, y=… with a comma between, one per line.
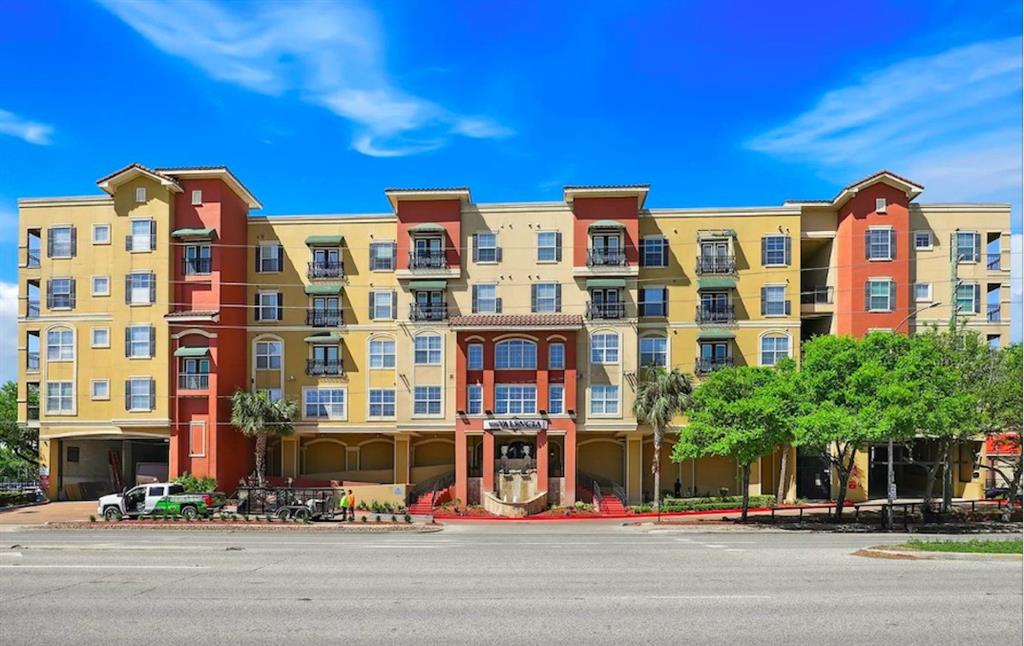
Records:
x=973, y=546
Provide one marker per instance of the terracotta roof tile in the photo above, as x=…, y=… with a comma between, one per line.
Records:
x=517, y=320
x=190, y=314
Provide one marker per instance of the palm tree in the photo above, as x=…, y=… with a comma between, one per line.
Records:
x=661, y=395
x=255, y=415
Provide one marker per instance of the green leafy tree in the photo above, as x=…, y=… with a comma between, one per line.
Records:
x=662, y=395
x=1002, y=412
x=18, y=439
x=259, y=417
x=740, y=413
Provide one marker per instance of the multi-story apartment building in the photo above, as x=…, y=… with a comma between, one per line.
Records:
x=451, y=341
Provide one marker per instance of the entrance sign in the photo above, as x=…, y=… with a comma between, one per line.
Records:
x=515, y=425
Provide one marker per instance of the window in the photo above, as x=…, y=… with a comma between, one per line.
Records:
x=546, y=297
x=475, y=356
x=654, y=252
x=653, y=301
x=923, y=240
x=60, y=242
x=604, y=348
x=139, y=394
x=515, y=354
x=382, y=402
x=197, y=260
x=268, y=355
x=880, y=244
x=382, y=305
x=100, y=389
x=101, y=285
x=140, y=288
x=273, y=394
x=773, y=301
x=968, y=246
x=101, y=337
x=923, y=292
x=556, y=356
x=549, y=246
x=427, y=350
x=994, y=341
x=197, y=198
x=269, y=258
x=773, y=348
x=880, y=296
x=556, y=399
x=515, y=399
x=193, y=374
x=967, y=300
x=604, y=400
x=324, y=403
x=101, y=234
x=59, y=397
x=485, y=247
x=328, y=357
x=775, y=250
x=269, y=306
x=474, y=399
x=485, y=299
x=426, y=400
x=880, y=205
x=382, y=354
x=61, y=293
x=139, y=341
x=140, y=195
x=143, y=236
x=382, y=256
x=654, y=351
x=197, y=439
x=60, y=345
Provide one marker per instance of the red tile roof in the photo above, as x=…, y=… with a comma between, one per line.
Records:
x=190, y=314
x=517, y=320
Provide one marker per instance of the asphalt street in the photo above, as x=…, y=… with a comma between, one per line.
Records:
x=568, y=583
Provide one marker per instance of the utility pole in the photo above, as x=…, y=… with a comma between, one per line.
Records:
x=954, y=281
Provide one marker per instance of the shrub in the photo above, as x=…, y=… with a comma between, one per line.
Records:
x=708, y=504
x=378, y=518
x=408, y=519
x=92, y=519
x=362, y=518
x=193, y=484
x=394, y=518
x=583, y=506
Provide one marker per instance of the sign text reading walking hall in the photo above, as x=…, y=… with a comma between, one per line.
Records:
x=515, y=425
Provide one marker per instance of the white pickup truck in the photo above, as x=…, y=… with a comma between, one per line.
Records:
x=155, y=498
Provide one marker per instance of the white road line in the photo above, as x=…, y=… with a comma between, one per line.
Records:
x=105, y=567
x=716, y=596
x=713, y=545
x=734, y=549
x=10, y=555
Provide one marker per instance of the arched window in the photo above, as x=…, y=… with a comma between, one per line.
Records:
x=515, y=354
x=773, y=348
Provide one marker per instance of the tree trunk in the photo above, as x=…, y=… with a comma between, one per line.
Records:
x=656, y=469
x=844, y=468
x=782, y=475
x=1011, y=500
x=745, y=470
x=947, y=479
x=261, y=458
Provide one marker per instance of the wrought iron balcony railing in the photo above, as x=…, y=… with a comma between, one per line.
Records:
x=428, y=260
x=716, y=265
x=602, y=258
x=325, y=269
x=716, y=314
x=196, y=266
x=321, y=368
x=324, y=317
x=435, y=312
x=703, y=366
x=193, y=381
x=606, y=310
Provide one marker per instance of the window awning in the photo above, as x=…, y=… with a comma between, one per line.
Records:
x=715, y=334
x=204, y=234
x=428, y=285
x=192, y=351
x=593, y=283
x=329, y=337
x=606, y=224
x=426, y=227
x=716, y=234
x=716, y=282
x=324, y=241
x=329, y=289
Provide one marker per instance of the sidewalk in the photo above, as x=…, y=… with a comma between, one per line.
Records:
x=49, y=512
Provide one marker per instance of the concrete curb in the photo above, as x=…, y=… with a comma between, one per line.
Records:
x=893, y=552
x=127, y=525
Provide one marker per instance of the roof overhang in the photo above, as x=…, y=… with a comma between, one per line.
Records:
x=571, y=193
x=911, y=189
x=396, y=195
x=110, y=183
x=222, y=173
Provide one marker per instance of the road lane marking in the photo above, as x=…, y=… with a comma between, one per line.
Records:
x=713, y=545
x=10, y=555
x=714, y=596
x=734, y=549
x=105, y=567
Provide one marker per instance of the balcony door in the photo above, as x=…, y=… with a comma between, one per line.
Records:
x=714, y=354
x=714, y=249
x=607, y=244
x=427, y=248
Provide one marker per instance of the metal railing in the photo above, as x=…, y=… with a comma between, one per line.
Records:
x=33, y=259
x=320, y=368
x=994, y=313
x=324, y=317
x=32, y=362
x=432, y=485
x=601, y=258
x=428, y=260
x=196, y=266
x=716, y=265
x=817, y=296
x=325, y=269
x=33, y=310
x=32, y=412
x=606, y=310
x=707, y=366
x=193, y=381
x=994, y=262
x=716, y=314
x=421, y=312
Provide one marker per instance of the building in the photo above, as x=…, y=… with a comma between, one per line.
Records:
x=448, y=342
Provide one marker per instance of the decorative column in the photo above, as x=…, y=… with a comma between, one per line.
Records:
x=542, y=461
x=290, y=456
x=635, y=469
x=487, y=468
x=402, y=462
x=461, y=467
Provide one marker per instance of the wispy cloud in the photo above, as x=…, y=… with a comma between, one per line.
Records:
x=328, y=54
x=31, y=131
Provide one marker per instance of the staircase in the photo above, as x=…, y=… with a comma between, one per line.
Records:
x=426, y=495
x=608, y=497
x=611, y=504
x=423, y=505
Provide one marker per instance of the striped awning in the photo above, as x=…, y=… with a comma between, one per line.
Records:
x=593, y=283
x=428, y=285
x=716, y=282
x=325, y=241
x=715, y=334
x=606, y=224
x=327, y=337
x=204, y=234
x=327, y=289
x=192, y=351
x=426, y=227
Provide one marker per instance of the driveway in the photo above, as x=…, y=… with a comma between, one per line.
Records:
x=50, y=512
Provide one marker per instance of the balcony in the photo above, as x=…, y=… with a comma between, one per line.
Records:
x=716, y=314
x=324, y=368
x=325, y=269
x=817, y=300
x=32, y=363
x=193, y=381
x=433, y=312
x=602, y=258
x=196, y=266
x=703, y=366
x=32, y=412
x=428, y=260
x=33, y=310
x=716, y=265
x=33, y=259
x=994, y=313
x=994, y=262
x=606, y=311
x=324, y=317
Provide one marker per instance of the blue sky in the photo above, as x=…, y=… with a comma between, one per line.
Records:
x=318, y=107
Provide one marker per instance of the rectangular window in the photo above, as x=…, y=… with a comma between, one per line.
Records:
x=382, y=256
x=880, y=205
x=427, y=350
x=381, y=306
x=101, y=337
x=197, y=260
x=139, y=395
x=142, y=238
x=604, y=400
x=197, y=439
x=774, y=348
x=101, y=285
x=923, y=240
x=654, y=351
x=99, y=389
x=486, y=247
x=604, y=348
x=474, y=399
x=61, y=293
x=994, y=341
x=556, y=399
x=101, y=234
x=60, y=345
x=654, y=252
x=382, y=402
x=324, y=403
x=268, y=355
x=880, y=296
x=515, y=355
x=968, y=246
x=197, y=198
x=269, y=258
x=549, y=246
x=475, y=356
x=775, y=250
x=140, y=288
x=426, y=400
x=268, y=306
x=880, y=244
x=966, y=298
x=546, y=297
x=59, y=397
x=140, y=195
x=485, y=299
x=515, y=399
x=382, y=354
x=923, y=292
x=653, y=301
x=773, y=300
x=61, y=242
x=139, y=341
x=556, y=356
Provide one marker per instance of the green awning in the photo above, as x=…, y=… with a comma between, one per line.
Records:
x=330, y=337
x=715, y=334
x=606, y=224
x=716, y=234
x=206, y=233
x=716, y=282
x=426, y=227
x=428, y=285
x=605, y=282
x=324, y=241
x=328, y=289
x=192, y=351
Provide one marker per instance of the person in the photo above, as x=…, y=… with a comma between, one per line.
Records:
x=351, y=505
x=678, y=489
x=343, y=504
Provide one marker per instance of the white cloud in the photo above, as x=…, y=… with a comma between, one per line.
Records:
x=32, y=132
x=328, y=54
x=9, y=331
